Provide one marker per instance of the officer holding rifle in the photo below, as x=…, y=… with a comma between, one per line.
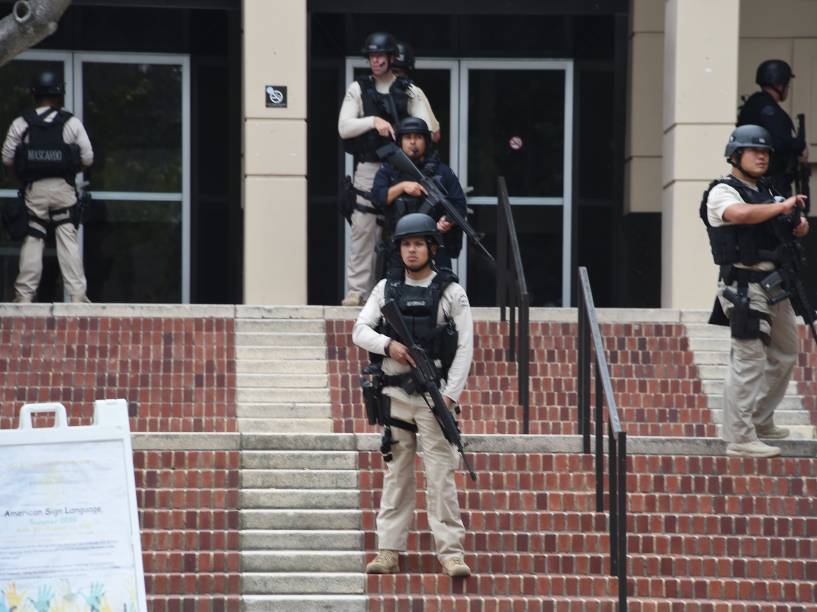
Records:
x=431, y=306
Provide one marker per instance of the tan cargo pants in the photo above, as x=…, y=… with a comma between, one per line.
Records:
x=360, y=267
x=43, y=197
x=397, y=504
x=758, y=374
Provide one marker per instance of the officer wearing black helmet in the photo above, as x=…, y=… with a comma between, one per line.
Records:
x=763, y=109
x=45, y=148
x=398, y=196
x=740, y=211
x=373, y=105
x=403, y=65
x=430, y=301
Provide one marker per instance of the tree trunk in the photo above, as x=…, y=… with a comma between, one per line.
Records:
x=29, y=22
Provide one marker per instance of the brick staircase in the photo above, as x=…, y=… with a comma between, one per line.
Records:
x=706, y=532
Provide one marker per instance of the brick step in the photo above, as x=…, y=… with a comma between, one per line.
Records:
x=706, y=344
x=303, y=603
x=273, y=353
x=329, y=583
x=788, y=403
x=796, y=415
x=281, y=425
x=307, y=460
x=490, y=583
x=285, y=519
x=313, y=326
x=298, y=442
x=286, y=410
x=282, y=381
x=712, y=357
x=299, y=479
x=704, y=429
x=796, y=432
x=715, y=387
x=481, y=603
x=314, y=340
x=309, y=539
x=301, y=561
x=299, y=498
x=705, y=330
x=280, y=366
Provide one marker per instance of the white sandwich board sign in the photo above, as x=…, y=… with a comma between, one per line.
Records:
x=69, y=527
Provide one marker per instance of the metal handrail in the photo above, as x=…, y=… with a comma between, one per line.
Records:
x=617, y=437
x=512, y=291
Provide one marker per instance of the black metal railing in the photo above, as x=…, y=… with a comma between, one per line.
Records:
x=617, y=438
x=512, y=292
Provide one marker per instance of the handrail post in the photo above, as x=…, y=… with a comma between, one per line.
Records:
x=523, y=360
x=622, y=522
x=501, y=250
x=599, y=442
x=612, y=463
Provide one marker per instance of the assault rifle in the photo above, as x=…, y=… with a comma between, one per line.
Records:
x=803, y=172
x=425, y=374
x=435, y=196
x=785, y=282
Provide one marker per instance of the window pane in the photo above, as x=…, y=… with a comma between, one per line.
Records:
x=516, y=130
x=15, y=80
x=133, y=251
x=133, y=114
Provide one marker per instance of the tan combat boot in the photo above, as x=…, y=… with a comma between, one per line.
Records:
x=772, y=432
x=755, y=448
x=456, y=567
x=386, y=562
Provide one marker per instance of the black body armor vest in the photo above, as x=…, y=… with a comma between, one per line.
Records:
x=46, y=154
x=742, y=243
x=393, y=107
x=419, y=307
x=406, y=204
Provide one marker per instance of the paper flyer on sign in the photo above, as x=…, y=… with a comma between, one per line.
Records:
x=65, y=529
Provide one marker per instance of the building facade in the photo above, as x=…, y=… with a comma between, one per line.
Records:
x=218, y=162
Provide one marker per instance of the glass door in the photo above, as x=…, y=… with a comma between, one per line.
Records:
x=516, y=122
x=136, y=108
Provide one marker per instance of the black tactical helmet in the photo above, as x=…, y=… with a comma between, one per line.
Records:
x=47, y=84
x=748, y=137
x=404, y=58
x=379, y=42
x=412, y=125
x=416, y=224
x=773, y=72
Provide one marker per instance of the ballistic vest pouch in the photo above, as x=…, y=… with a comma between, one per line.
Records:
x=46, y=154
x=373, y=398
x=15, y=217
x=744, y=322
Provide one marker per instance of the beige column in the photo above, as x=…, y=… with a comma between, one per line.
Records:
x=700, y=95
x=274, y=161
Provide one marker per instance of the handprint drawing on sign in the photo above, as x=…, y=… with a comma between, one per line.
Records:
x=44, y=597
x=94, y=598
x=12, y=597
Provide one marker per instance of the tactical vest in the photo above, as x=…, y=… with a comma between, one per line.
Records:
x=393, y=107
x=419, y=307
x=46, y=154
x=741, y=243
x=405, y=204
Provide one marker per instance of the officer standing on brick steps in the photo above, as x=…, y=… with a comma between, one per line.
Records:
x=373, y=105
x=739, y=211
x=435, y=308
x=46, y=147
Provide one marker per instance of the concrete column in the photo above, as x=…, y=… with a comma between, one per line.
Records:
x=700, y=95
x=274, y=145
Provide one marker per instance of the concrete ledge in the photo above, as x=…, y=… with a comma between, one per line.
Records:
x=186, y=441
x=279, y=312
x=165, y=311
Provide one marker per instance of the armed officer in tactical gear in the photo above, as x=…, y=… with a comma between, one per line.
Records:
x=45, y=148
x=403, y=65
x=373, y=105
x=740, y=211
x=397, y=196
x=763, y=109
x=435, y=308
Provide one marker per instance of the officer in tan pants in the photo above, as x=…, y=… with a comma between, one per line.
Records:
x=45, y=148
x=747, y=222
x=428, y=300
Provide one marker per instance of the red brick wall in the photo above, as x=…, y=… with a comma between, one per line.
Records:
x=656, y=383
x=805, y=370
x=181, y=374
